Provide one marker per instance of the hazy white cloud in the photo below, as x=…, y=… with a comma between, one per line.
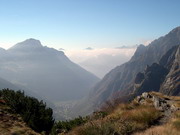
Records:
x=147, y=42
x=89, y=48
x=5, y=46
x=100, y=61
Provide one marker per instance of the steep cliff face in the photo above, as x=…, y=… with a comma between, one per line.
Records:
x=163, y=77
x=153, y=77
x=120, y=78
x=171, y=85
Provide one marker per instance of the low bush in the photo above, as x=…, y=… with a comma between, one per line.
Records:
x=34, y=112
x=66, y=126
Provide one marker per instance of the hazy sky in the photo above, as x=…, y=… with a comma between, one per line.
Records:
x=100, y=61
x=86, y=23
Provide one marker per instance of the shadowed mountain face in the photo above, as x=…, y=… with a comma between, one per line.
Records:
x=5, y=84
x=171, y=84
x=46, y=71
x=163, y=76
x=121, y=79
x=153, y=77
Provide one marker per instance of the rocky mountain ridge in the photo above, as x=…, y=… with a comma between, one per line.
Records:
x=171, y=84
x=45, y=71
x=120, y=81
x=162, y=76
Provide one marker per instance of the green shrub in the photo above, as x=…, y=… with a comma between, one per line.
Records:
x=34, y=112
x=66, y=126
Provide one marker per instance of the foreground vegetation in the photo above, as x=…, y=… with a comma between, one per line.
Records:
x=33, y=112
x=139, y=117
x=172, y=127
x=11, y=123
x=126, y=119
x=68, y=125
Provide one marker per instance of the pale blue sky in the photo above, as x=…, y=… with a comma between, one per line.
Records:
x=82, y=23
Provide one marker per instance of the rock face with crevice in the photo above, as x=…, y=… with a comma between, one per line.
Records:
x=163, y=76
x=153, y=77
x=171, y=84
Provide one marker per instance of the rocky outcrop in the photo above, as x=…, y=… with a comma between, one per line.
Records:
x=160, y=102
x=166, y=104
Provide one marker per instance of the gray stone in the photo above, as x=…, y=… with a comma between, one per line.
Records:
x=146, y=95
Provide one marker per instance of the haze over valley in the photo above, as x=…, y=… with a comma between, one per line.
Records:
x=100, y=61
x=46, y=71
x=88, y=67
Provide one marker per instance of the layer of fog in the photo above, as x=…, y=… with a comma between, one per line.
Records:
x=100, y=61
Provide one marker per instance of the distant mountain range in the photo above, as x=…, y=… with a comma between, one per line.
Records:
x=50, y=74
x=45, y=71
x=152, y=67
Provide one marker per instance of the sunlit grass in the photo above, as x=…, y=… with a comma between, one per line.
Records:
x=171, y=128
x=124, y=120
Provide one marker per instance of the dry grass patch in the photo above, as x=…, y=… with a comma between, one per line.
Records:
x=171, y=128
x=143, y=115
x=125, y=119
x=160, y=130
x=138, y=118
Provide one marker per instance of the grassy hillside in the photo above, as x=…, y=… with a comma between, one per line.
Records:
x=30, y=111
x=11, y=123
x=172, y=125
x=148, y=114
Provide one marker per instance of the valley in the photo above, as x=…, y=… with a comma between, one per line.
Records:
x=89, y=67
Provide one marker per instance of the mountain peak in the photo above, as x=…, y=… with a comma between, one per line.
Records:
x=28, y=44
x=175, y=29
x=33, y=41
x=175, y=32
x=139, y=51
